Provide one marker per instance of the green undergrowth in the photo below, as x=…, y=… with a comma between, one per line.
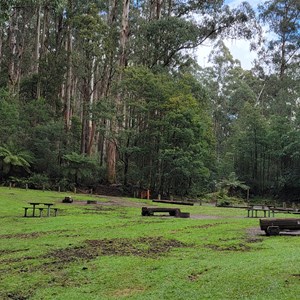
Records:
x=109, y=251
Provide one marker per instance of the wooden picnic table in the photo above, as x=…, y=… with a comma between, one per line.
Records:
x=36, y=204
x=252, y=211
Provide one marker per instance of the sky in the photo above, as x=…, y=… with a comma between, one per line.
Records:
x=240, y=49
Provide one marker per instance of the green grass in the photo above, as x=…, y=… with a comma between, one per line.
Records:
x=112, y=252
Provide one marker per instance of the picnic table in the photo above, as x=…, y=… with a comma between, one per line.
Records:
x=267, y=210
x=36, y=206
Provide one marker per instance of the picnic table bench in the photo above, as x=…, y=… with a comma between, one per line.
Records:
x=36, y=206
x=274, y=226
x=175, y=212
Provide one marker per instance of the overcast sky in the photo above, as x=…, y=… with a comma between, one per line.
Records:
x=240, y=49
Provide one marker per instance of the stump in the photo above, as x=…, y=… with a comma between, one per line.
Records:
x=67, y=199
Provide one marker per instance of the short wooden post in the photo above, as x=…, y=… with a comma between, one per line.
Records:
x=148, y=194
x=10, y=185
x=74, y=190
x=26, y=186
x=43, y=188
x=248, y=196
x=59, y=189
x=159, y=197
x=284, y=205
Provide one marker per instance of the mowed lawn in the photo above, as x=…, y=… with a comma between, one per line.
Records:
x=109, y=251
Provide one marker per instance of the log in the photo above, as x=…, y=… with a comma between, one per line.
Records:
x=281, y=224
x=175, y=212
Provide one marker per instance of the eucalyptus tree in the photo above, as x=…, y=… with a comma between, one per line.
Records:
x=228, y=87
x=250, y=147
x=283, y=19
x=278, y=71
x=166, y=143
x=181, y=26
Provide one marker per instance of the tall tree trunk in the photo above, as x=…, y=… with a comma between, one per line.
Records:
x=68, y=86
x=124, y=35
x=111, y=152
x=1, y=45
x=12, y=42
x=41, y=47
x=158, y=8
x=112, y=143
x=91, y=122
x=37, y=49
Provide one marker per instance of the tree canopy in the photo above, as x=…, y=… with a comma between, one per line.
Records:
x=106, y=92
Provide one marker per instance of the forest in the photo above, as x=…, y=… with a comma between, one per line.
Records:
x=110, y=93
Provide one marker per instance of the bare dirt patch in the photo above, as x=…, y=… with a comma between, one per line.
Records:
x=239, y=247
x=113, y=201
x=19, y=295
x=98, y=209
x=145, y=247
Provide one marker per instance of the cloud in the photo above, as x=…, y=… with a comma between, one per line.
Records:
x=239, y=49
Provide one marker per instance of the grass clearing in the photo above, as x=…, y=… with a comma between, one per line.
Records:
x=109, y=251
